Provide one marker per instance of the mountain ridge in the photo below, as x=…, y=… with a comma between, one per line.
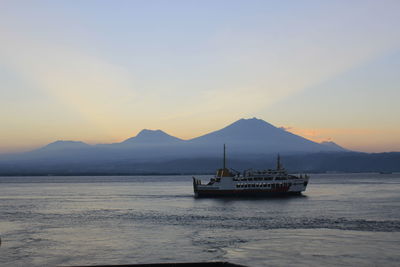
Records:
x=249, y=135
x=242, y=137
x=250, y=143
x=147, y=135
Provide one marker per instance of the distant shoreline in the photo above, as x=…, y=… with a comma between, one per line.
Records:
x=100, y=174
x=164, y=174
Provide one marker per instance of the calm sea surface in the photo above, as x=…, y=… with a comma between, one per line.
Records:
x=342, y=219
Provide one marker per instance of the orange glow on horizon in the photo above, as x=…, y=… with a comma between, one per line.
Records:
x=366, y=140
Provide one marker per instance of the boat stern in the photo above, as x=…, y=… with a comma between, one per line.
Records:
x=196, y=183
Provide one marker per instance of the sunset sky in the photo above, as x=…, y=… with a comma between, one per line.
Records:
x=100, y=71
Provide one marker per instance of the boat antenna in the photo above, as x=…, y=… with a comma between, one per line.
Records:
x=224, y=157
x=278, y=162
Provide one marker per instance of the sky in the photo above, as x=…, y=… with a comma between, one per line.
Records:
x=100, y=71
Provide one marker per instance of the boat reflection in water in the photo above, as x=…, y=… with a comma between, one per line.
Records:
x=261, y=183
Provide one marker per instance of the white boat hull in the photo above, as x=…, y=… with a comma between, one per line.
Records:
x=236, y=187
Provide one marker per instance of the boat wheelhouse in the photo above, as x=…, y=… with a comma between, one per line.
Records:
x=252, y=183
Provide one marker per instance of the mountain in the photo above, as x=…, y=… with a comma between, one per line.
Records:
x=61, y=151
x=255, y=136
x=248, y=141
x=243, y=137
x=152, y=137
x=146, y=145
x=63, y=145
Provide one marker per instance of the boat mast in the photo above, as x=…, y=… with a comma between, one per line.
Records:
x=224, y=157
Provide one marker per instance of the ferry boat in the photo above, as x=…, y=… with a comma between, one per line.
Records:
x=261, y=183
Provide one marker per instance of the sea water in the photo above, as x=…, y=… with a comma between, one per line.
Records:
x=342, y=219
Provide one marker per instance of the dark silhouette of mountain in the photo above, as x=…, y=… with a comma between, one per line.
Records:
x=249, y=136
x=152, y=137
x=251, y=143
x=245, y=136
x=63, y=145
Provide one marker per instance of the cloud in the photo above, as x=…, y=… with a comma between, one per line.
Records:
x=287, y=128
